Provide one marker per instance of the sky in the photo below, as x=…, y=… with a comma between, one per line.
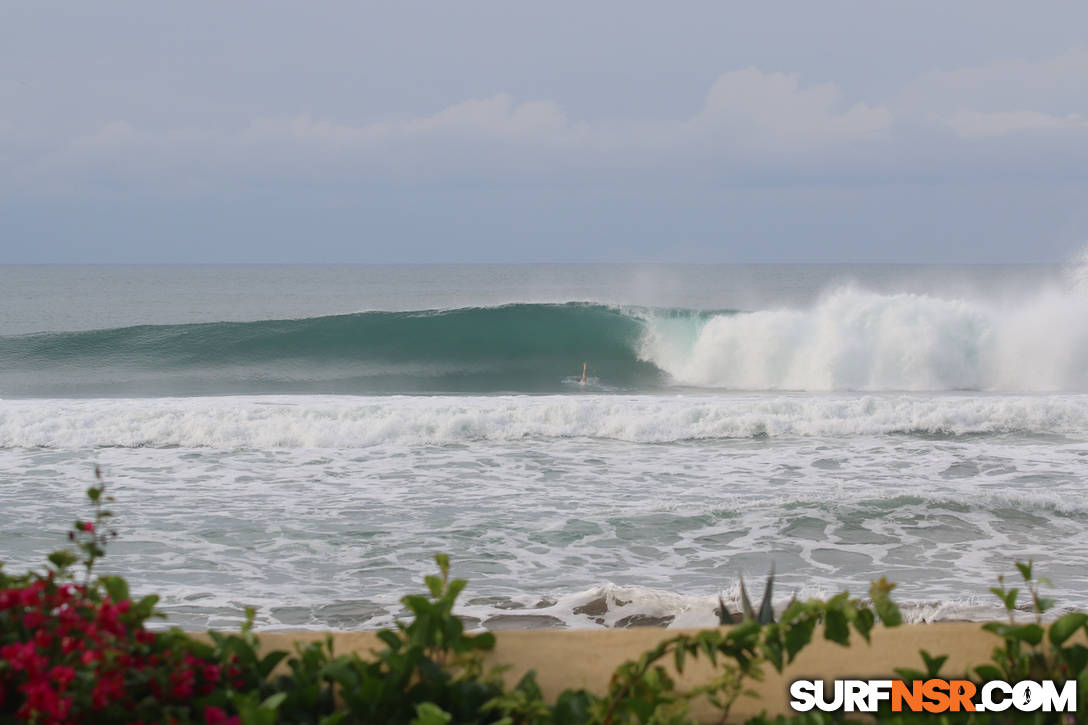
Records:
x=498, y=131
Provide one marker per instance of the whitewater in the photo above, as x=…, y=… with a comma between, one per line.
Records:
x=303, y=439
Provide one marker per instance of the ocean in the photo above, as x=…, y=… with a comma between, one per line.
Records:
x=303, y=439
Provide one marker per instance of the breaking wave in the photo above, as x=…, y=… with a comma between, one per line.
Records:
x=851, y=339
x=354, y=422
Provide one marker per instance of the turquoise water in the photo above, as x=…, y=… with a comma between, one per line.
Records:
x=304, y=438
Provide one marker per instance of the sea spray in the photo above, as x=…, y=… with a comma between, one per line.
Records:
x=856, y=339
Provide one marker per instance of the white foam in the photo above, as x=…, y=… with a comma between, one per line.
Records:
x=333, y=537
x=854, y=339
x=611, y=605
x=354, y=422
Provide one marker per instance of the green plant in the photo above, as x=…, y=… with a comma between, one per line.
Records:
x=1034, y=650
x=429, y=659
x=765, y=614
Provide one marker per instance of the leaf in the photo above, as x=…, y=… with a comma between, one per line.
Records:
x=1064, y=627
x=1030, y=633
x=482, y=641
x=573, y=707
x=427, y=713
x=746, y=631
x=986, y=673
x=116, y=587
x=678, y=658
x=798, y=635
x=1076, y=658
x=766, y=610
x=147, y=605
x=390, y=638
x=886, y=609
x=62, y=559
x=836, y=627
x=274, y=701
x=340, y=672
x=94, y=493
x=1025, y=570
x=724, y=615
x=772, y=650
x=455, y=588
x=269, y=662
x=745, y=602
x=864, y=621
x=417, y=604
x=933, y=664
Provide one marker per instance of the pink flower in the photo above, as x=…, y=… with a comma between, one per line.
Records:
x=42, y=638
x=42, y=699
x=62, y=675
x=214, y=716
x=182, y=683
x=22, y=656
x=33, y=619
x=108, y=688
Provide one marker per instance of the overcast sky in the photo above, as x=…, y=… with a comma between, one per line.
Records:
x=560, y=131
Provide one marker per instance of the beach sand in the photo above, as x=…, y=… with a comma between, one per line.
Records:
x=586, y=658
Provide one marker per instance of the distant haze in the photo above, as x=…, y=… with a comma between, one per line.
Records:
x=550, y=132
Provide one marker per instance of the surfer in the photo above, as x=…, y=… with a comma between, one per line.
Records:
x=584, y=379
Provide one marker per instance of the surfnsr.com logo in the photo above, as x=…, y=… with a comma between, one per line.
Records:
x=933, y=695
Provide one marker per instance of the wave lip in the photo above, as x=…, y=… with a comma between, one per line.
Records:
x=286, y=422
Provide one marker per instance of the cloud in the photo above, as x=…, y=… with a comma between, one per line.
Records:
x=1055, y=85
x=743, y=111
x=752, y=123
x=747, y=114
x=977, y=125
x=774, y=109
x=497, y=117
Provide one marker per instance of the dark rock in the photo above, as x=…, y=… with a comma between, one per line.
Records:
x=644, y=620
x=595, y=608
x=523, y=621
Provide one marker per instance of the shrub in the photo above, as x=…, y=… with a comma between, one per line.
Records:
x=80, y=651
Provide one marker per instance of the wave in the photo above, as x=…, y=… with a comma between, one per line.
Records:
x=520, y=347
x=854, y=339
x=357, y=422
x=851, y=339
